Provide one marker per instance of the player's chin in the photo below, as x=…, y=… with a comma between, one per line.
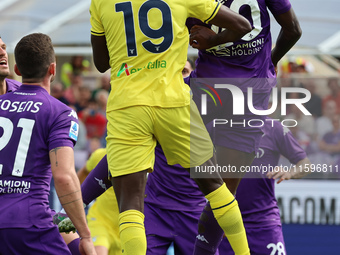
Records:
x=4, y=71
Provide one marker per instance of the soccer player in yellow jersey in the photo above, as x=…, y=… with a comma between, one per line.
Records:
x=145, y=44
x=100, y=218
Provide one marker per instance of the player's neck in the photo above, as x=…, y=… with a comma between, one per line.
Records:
x=3, y=86
x=44, y=82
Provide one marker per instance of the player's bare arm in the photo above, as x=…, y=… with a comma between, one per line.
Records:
x=237, y=26
x=69, y=194
x=101, y=56
x=68, y=188
x=289, y=34
x=301, y=169
x=204, y=38
x=55, y=153
x=231, y=20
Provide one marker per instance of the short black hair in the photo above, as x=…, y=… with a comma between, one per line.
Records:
x=33, y=55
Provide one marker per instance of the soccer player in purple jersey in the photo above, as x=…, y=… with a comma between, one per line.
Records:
x=256, y=192
x=173, y=204
x=6, y=85
x=38, y=135
x=250, y=57
x=173, y=201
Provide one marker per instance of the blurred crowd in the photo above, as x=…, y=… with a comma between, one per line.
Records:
x=319, y=133
x=88, y=97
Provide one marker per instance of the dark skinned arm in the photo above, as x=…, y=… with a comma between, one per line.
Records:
x=289, y=34
x=237, y=26
x=101, y=55
x=204, y=38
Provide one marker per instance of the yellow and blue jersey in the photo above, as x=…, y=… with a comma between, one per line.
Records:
x=147, y=43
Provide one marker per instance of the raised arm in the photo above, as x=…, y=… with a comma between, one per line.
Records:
x=289, y=34
x=236, y=27
x=68, y=189
x=231, y=20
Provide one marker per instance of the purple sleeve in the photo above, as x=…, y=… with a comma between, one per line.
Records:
x=288, y=145
x=64, y=130
x=278, y=7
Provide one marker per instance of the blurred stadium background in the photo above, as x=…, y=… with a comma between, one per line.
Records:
x=310, y=208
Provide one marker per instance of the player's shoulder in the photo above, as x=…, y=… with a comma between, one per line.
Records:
x=12, y=85
x=56, y=103
x=277, y=7
x=57, y=108
x=11, y=81
x=275, y=128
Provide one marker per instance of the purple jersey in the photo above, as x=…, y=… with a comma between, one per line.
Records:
x=170, y=187
x=12, y=85
x=250, y=57
x=255, y=194
x=31, y=124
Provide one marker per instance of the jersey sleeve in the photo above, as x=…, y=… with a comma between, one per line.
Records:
x=288, y=145
x=278, y=7
x=94, y=159
x=205, y=10
x=97, y=28
x=64, y=130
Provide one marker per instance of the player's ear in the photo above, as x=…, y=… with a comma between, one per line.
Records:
x=52, y=70
x=16, y=70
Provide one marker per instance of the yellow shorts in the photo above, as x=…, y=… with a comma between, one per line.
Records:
x=102, y=220
x=132, y=134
